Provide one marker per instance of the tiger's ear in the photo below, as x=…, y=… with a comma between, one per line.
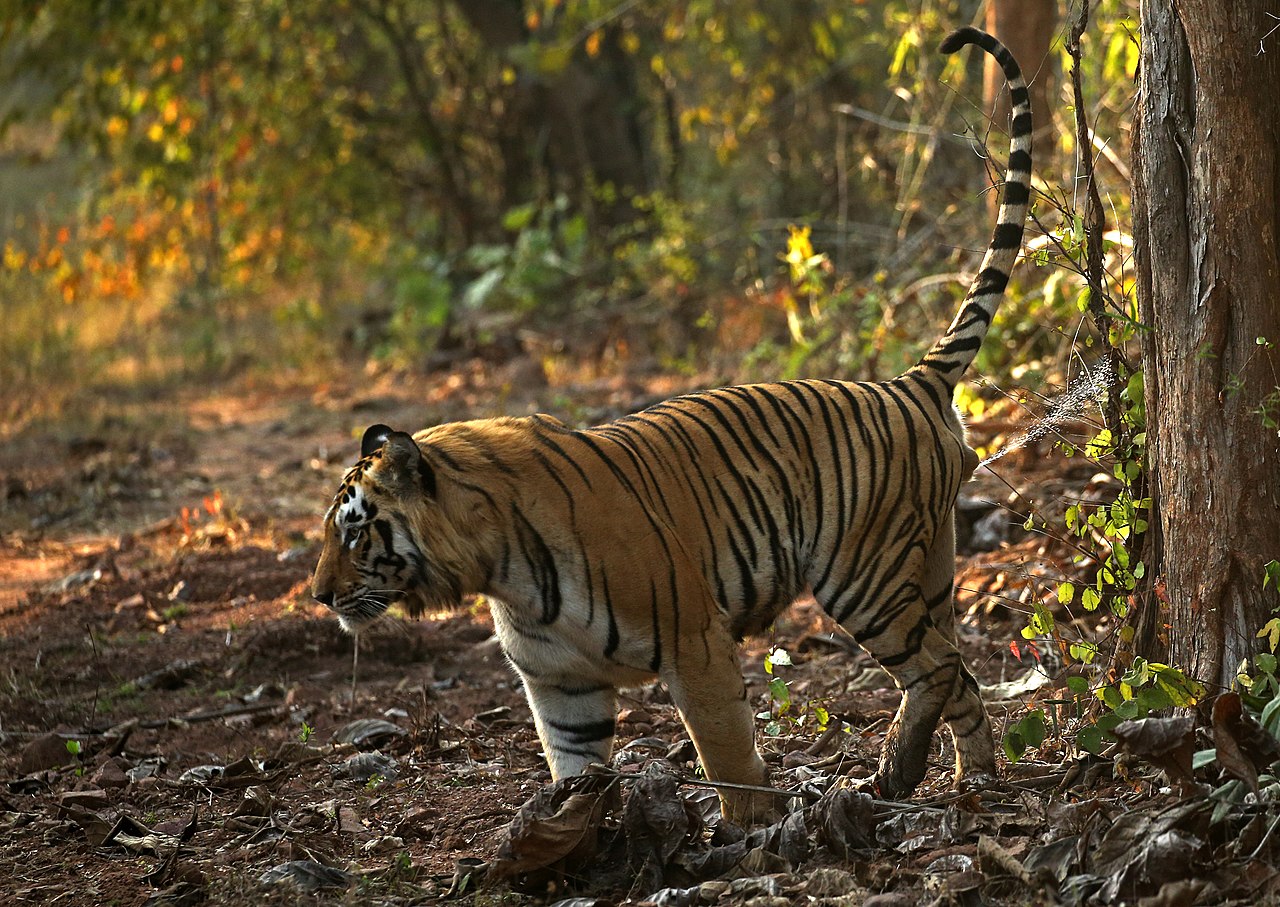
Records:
x=403, y=463
x=374, y=437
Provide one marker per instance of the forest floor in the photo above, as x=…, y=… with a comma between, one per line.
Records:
x=179, y=722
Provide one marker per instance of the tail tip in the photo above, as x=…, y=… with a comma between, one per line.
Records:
x=958, y=39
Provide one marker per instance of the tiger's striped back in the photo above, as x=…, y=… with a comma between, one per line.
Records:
x=648, y=546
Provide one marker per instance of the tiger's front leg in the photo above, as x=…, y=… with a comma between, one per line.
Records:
x=706, y=685
x=575, y=723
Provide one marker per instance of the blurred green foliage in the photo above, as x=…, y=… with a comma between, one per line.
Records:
x=288, y=181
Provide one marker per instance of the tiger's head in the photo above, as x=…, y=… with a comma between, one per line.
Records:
x=387, y=537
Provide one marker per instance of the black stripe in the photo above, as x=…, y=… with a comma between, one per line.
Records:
x=1007, y=236
x=579, y=691
x=1020, y=160
x=947, y=668
x=990, y=281
x=388, y=555
x=1019, y=96
x=841, y=519
x=697, y=460
x=911, y=646
x=1022, y=124
x=560, y=452
x=711, y=405
x=611, y=643
x=555, y=477
x=586, y=731
x=731, y=469
x=1016, y=193
x=542, y=564
x=938, y=599
x=918, y=383
x=746, y=394
x=713, y=544
x=576, y=751
x=656, y=661
x=960, y=345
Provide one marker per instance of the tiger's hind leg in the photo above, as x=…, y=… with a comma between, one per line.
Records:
x=925, y=666
x=575, y=723
x=964, y=713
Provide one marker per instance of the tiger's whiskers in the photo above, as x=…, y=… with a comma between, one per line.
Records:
x=355, y=661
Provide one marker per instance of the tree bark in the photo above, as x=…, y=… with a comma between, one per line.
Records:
x=589, y=115
x=1026, y=27
x=1206, y=205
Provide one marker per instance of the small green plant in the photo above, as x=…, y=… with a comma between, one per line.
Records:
x=74, y=748
x=304, y=735
x=784, y=713
x=1026, y=733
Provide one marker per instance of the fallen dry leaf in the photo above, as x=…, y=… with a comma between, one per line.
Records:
x=1243, y=745
x=556, y=828
x=656, y=822
x=1167, y=743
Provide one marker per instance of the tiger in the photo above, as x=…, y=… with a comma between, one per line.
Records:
x=650, y=546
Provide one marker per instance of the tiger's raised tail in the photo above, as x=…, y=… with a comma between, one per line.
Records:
x=954, y=351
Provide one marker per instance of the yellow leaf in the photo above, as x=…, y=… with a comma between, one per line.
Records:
x=799, y=248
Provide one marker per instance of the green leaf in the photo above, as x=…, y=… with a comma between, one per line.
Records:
x=1107, y=723
x=1138, y=674
x=1066, y=592
x=1128, y=710
x=1266, y=662
x=1083, y=651
x=1271, y=574
x=1033, y=728
x=1203, y=758
x=519, y=217
x=1183, y=690
x=1154, y=698
x=1090, y=739
x=1040, y=624
x=1014, y=746
x=1101, y=445
x=1271, y=716
x=779, y=693
x=1077, y=684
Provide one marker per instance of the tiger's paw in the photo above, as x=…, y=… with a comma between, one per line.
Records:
x=978, y=782
x=749, y=809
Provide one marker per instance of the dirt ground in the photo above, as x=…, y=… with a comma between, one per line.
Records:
x=181, y=724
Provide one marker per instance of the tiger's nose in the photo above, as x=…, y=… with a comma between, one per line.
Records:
x=324, y=598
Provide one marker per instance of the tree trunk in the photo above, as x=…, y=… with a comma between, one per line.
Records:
x=1206, y=202
x=588, y=114
x=1027, y=28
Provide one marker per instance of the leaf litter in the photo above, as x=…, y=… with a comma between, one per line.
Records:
x=176, y=727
